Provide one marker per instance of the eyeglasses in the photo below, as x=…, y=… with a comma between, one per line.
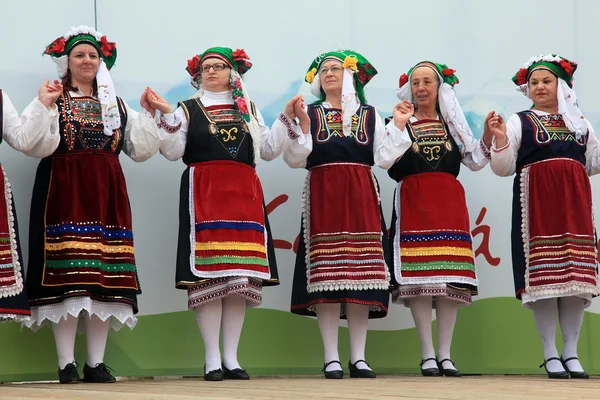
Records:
x=334, y=70
x=216, y=67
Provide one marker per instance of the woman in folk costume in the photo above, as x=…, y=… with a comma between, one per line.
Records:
x=225, y=252
x=341, y=266
x=551, y=149
x=431, y=238
x=13, y=296
x=81, y=259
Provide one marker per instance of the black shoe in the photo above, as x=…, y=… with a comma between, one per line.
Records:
x=99, y=374
x=429, y=371
x=574, y=374
x=214, y=375
x=69, y=373
x=337, y=374
x=555, y=375
x=236, y=373
x=360, y=373
x=449, y=372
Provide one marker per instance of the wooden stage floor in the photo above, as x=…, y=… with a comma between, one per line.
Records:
x=402, y=387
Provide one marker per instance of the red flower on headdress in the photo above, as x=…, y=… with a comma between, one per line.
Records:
x=522, y=76
x=367, y=66
x=193, y=64
x=567, y=66
x=240, y=54
x=106, y=47
x=403, y=80
x=58, y=46
x=241, y=105
x=362, y=76
x=448, y=71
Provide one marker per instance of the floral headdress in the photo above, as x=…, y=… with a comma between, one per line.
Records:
x=560, y=66
x=446, y=74
x=59, y=50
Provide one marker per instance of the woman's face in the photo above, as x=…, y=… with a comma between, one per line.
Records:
x=331, y=74
x=543, y=86
x=424, y=84
x=214, y=78
x=84, y=62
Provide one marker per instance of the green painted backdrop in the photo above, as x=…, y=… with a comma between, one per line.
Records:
x=494, y=336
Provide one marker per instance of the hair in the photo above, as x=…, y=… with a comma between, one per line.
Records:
x=67, y=80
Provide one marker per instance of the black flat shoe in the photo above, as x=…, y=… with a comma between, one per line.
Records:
x=337, y=374
x=99, y=374
x=360, y=373
x=69, y=373
x=555, y=375
x=236, y=373
x=429, y=371
x=214, y=375
x=574, y=374
x=449, y=372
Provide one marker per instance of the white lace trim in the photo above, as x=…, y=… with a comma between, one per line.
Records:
x=562, y=290
x=17, y=287
x=231, y=273
x=192, y=214
x=396, y=252
x=439, y=279
x=528, y=299
x=524, y=199
x=375, y=284
x=120, y=314
x=306, y=224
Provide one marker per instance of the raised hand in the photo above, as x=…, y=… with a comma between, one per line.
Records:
x=145, y=104
x=290, y=106
x=402, y=113
x=158, y=102
x=300, y=111
x=487, y=134
x=55, y=86
x=152, y=101
x=497, y=127
x=48, y=93
x=302, y=115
